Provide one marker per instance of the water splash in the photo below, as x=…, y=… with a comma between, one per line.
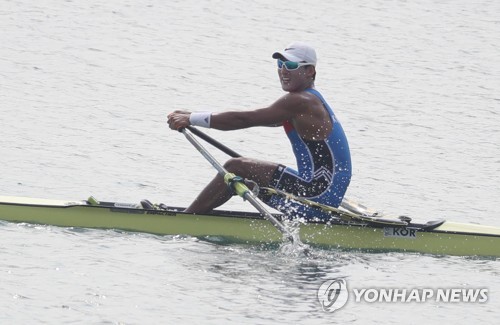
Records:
x=294, y=247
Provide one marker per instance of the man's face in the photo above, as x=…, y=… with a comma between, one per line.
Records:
x=297, y=79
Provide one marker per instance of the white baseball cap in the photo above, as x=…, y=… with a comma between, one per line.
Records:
x=297, y=52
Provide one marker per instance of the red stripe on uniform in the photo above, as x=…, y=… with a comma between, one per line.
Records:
x=288, y=126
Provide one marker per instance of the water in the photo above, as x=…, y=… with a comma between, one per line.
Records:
x=85, y=88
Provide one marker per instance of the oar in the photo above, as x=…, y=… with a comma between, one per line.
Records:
x=237, y=184
x=345, y=215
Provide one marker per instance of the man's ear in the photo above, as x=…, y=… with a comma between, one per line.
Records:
x=311, y=71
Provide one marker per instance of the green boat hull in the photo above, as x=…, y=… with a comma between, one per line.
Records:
x=443, y=238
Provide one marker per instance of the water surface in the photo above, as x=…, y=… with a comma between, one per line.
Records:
x=85, y=88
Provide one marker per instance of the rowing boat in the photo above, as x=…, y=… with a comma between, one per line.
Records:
x=351, y=226
x=370, y=233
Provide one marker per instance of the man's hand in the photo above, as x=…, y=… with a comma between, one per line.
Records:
x=178, y=119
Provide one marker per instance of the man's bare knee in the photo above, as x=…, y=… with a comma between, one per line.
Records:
x=236, y=165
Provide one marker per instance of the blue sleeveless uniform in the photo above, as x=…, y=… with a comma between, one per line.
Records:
x=323, y=174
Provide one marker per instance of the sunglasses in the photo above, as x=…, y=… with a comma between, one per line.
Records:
x=290, y=65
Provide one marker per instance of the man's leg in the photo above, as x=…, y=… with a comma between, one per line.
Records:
x=217, y=192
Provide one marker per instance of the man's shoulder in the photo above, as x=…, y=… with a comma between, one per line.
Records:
x=301, y=101
x=301, y=97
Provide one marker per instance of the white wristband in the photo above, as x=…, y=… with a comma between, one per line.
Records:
x=200, y=119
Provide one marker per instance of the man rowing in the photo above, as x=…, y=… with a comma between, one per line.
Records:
x=318, y=141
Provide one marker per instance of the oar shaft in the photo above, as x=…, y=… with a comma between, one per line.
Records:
x=250, y=198
x=240, y=187
x=220, y=169
x=214, y=142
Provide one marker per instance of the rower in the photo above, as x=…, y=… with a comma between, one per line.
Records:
x=319, y=144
